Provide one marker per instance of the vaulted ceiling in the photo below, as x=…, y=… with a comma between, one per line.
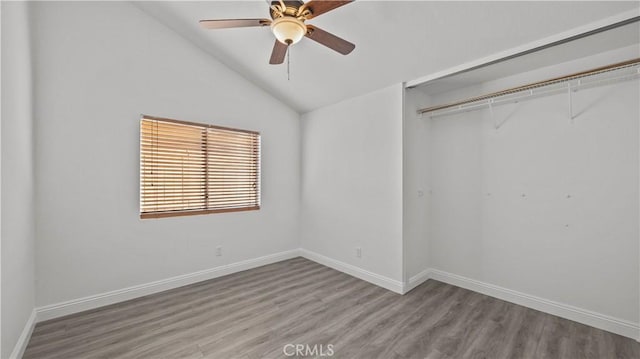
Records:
x=395, y=41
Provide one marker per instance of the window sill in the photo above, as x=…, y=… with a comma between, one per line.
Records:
x=194, y=212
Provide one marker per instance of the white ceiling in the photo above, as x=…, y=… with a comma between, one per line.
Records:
x=395, y=41
x=616, y=38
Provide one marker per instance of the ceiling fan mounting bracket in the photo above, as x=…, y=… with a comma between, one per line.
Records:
x=288, y=8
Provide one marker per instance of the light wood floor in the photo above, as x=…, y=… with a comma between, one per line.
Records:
x=254, y=314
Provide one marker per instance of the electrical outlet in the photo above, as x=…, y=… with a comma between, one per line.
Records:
x=358, y=252
x=218, y=251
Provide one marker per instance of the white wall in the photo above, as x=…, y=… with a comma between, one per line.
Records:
x=352, y=181
x=18, y=228
x=543, y=205
x=415, y=175
x=99, y=65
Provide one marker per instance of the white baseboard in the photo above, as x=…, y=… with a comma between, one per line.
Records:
x=99, y=300
x=416, y=280
x=23, y=340
x=597, y=320
x=377, y=279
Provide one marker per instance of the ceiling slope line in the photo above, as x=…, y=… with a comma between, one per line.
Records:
x=257, y=84
x=592, y=28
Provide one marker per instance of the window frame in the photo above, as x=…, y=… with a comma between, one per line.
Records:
x=200, y=211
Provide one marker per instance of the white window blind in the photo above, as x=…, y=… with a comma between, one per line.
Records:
x=188, y=168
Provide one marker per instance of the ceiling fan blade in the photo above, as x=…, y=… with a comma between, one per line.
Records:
x=319, y=7
x=278, y=53
x=225, y=24
x=329, y=40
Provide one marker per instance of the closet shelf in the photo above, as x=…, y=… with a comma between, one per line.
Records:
x=622, y=71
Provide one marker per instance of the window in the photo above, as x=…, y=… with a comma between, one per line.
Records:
x=189, y=168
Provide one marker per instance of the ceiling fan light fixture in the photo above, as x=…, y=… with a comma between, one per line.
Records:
x=288, y=30
x=287, y=23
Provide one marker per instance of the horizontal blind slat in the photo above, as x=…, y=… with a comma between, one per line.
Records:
x=189, y=168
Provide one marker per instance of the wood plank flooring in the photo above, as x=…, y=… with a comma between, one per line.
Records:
x=254, y=314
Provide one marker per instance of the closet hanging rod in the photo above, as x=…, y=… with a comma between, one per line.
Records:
x=556, y=80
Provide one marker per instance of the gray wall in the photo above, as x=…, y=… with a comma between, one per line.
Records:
x=543, y=205
x=352, y=181
x=18, y=224
x=99, y=66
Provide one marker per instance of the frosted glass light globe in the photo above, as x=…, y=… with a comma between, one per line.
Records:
x=288, y=30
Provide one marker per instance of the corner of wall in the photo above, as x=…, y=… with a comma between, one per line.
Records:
x=350, y=150
x=415, y=189
x=17, y=242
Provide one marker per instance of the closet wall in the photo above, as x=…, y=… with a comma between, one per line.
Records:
x=543, y=205
x=415, y=192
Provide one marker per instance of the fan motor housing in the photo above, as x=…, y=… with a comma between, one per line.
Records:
x=291, y=8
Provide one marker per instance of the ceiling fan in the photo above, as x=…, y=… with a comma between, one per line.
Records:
x=288, y=25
